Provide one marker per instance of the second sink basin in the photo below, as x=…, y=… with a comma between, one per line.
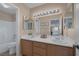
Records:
x=63, y=40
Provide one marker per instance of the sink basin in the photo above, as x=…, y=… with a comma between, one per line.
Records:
x=60, y=40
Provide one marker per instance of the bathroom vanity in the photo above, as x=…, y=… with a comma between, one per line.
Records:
x=47, y=44
x=46, y=47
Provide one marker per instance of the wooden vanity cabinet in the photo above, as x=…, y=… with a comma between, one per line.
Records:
x=26, y=47
x=55, y=50
x=29, y=48
x=39, y=49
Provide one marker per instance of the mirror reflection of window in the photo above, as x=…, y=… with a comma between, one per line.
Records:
x=55, y=30
x=55, y=27
x=68, y=22
x=27, y=24
x=55, y=22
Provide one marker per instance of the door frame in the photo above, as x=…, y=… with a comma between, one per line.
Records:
x=18, y=37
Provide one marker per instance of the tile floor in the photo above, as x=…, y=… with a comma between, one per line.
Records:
x=7, y=54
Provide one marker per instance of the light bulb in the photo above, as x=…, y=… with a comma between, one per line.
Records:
x=50, y=12
x=54, y=11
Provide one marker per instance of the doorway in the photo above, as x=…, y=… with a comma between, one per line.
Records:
x=8, y=29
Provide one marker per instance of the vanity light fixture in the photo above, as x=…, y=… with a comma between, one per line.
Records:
x=44, y=13
x=47, y=12
x=54, y=11
x=25, y=18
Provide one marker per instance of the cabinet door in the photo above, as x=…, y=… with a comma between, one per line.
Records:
x=39, y=51
x=40, y=45
x=54, y=50
x=26, y=48
x=51, y=50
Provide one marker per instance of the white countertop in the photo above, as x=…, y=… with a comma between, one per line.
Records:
x=63, y=41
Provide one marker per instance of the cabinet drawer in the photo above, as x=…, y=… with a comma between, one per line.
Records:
x=39, y=51
x=38, y=44
x=26, y=43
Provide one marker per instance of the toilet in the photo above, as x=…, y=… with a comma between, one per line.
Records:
x=12, y=48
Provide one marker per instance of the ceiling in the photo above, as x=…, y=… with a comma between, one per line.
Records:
x=11, y=10
x=32, y=5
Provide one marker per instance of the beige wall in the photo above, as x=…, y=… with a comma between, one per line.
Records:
x=23, y=11
x=7, y=17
